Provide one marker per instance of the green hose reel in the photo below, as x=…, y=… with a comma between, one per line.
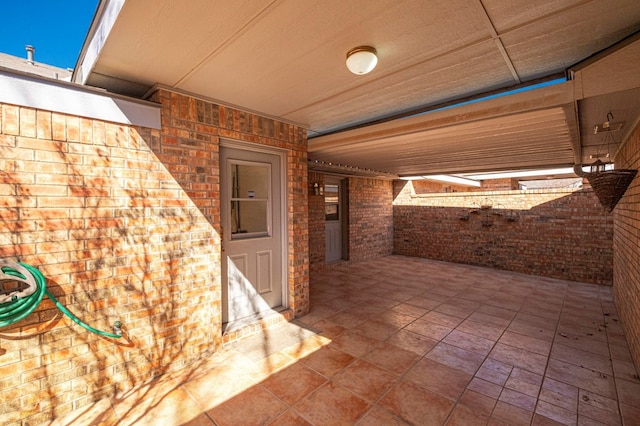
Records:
x=26, y=288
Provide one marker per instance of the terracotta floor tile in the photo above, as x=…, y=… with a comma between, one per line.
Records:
x=396, y=319
x=365, y=380
x=255, y=406
x=411, y=310
x=176, y=406
x=542, y=308
x=428, y=329
x=525, y=342
x=513, y=303
x=518, y=399
x=377, y=416
x=629, y=393
x=328, y=360
x=463, y=416
x=305, y=347
x=495, y=311
x=354, y=343
x=508, y=414
x=201, y=420
x=479, y=403
x=581, y=377
x=479, y=329
x=456, y=357
x=594, y=330
x=271, y=364
x=417, y=405
x=294, y=383
x=560, y=394
x=476, y=342
x=289, y=418
x=439, y=378
x=392, y=358
x=556, y=414
x=583, y=342
x=519, y=358
x=375, y=329
x=598, y=407
x=469, y=342
x=494, y=371
x=630, y=415
x=424, y=303
x=218, y=386
x=580, y=357
x=536, y=321
x=348, y=319
x=621, y=353
x=442, y=318
x=328, y=328
x=485, y=388
x=493, y=320
x=332, y=405
x=413, y=342
x=525, y=382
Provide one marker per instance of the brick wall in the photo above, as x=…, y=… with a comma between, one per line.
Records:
x=316, y=225
x=370, y=218
x=123, y=221
x=192, y=130
x=90, y=205
x=626, y=243
x=556, y=233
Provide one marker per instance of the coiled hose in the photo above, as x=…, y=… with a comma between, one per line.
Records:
x=20, y=307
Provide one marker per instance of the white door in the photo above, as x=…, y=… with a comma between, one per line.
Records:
x=333, y=220
x=252, y=256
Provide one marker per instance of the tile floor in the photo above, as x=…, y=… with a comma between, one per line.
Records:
x=401, y=340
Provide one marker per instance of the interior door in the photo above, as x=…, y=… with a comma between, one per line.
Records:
x=251, y=214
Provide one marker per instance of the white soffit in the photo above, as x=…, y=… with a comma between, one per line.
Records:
x=533, y=129
x=68, y=98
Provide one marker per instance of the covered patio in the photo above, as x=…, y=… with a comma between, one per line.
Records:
x=403, y=340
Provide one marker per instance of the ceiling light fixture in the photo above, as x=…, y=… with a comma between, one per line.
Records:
x=362, y=60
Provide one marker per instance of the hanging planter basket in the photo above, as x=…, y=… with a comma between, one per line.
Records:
x=609, y=185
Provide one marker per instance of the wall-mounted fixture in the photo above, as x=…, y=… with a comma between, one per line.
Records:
x=317, y=188
x=362, y=60
x=487, y=211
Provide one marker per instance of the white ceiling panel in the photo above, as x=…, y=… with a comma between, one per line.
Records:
x=285, y=59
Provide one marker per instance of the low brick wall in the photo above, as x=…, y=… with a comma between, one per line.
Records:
x=556, y=233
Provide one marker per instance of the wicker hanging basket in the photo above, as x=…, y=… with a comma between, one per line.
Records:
x=610, y=185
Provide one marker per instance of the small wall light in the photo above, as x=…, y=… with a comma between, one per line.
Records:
x=316, y=188
x=362, y=60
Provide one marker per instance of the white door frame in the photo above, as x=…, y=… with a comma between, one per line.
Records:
x=284, y=217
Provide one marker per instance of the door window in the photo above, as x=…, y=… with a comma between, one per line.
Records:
x=250, y=199
x=332, y=202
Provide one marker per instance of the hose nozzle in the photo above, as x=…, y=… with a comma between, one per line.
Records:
x=117, y=328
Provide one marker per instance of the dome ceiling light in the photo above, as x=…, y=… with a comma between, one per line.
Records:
x=362, y=60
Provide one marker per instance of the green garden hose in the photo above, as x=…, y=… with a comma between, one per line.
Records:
x=18, y=308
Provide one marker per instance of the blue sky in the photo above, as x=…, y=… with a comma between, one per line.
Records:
x=56, y=29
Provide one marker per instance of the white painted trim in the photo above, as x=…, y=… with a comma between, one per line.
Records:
x=108, y=11
x=68, y=98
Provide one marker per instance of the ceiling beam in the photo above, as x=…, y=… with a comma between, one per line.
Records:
x=496, y=38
